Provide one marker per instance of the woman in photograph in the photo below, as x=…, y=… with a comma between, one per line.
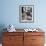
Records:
x=24, y=15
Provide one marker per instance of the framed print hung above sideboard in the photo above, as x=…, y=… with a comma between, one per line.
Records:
x=26, y=13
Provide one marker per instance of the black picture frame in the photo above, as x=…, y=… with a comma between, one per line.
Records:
x=26, y=13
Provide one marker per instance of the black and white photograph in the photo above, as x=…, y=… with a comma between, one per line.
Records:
x=26, y=13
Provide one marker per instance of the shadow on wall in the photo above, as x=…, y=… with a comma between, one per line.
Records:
x=2, y=26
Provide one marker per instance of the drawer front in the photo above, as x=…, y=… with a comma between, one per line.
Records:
x=5, y=40
x=27, y=41
x=12, y=44
x=37, y=44
x=34, y=33
x=13, y=33
x=12, y=39
x=37, y=39
x=8, y=44
x=33, y=40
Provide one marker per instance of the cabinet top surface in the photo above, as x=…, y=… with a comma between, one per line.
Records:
x=22, y=30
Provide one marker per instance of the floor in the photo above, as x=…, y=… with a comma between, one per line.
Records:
x=0, y=44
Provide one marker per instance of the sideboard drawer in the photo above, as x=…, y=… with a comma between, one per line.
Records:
x=37, y=39
x=13, y=33
x=12, y=39
x=34, y=33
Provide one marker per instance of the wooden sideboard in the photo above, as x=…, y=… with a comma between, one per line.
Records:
x=23, y=39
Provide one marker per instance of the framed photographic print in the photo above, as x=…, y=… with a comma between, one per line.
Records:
x=26, y=13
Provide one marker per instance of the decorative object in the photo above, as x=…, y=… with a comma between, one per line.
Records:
x=11, y=28
x=26, y=13
x=32, y=30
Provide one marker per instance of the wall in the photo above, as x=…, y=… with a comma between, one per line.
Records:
x=10, y=13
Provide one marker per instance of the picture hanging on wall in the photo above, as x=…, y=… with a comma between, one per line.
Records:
x=26, y=13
